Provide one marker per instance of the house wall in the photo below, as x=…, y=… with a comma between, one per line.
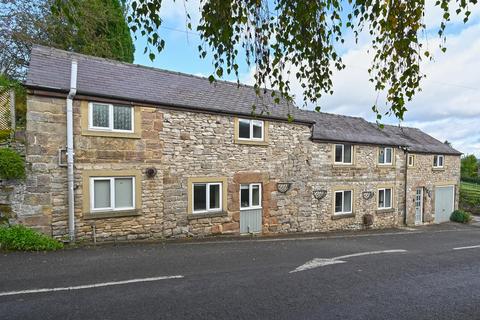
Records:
x=423, y=175
x=183, y=145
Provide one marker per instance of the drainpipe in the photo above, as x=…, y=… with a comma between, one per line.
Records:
x=70, y=176
x=405, y=150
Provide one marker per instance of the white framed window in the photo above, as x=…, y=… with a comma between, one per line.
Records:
x=411, y=160
x=385, y=198
x=112, y=193
x=438, y=161
x=343, y=202
x=343, y=154
x=385, y=156
x=109, y=117
x=249, y=129
x=207, y=197
x=250, y=196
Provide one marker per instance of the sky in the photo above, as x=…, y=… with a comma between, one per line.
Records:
x=448, y=107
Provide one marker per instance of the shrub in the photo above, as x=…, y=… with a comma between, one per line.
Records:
x=461, y=216
x=22, y=238
x=5, y=135
x=471, y=179
x=12, y=165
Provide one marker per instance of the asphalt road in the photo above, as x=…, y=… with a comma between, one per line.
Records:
x=424, y=277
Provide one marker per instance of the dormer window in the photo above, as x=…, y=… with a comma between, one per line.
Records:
x=343, y=154
x=249, y=129
x=438, y=161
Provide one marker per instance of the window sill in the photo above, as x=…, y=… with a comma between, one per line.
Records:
x=343, y=216
x=252, y=142
x=341, y=165
x=385, y=166
x=111, y=134
x=385, y=211
x=112, y=214
x=194, y=216
x=438, y=169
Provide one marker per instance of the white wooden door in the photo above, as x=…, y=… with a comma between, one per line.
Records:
x=419, y=206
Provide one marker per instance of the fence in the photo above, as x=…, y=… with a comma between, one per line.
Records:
x=7, y=109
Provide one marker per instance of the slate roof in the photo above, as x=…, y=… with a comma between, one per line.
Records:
x=50, y=70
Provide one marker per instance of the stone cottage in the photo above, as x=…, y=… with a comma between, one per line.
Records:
x=160, y=154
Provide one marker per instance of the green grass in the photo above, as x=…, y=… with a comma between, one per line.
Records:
x=22, y=238
x=470, y=197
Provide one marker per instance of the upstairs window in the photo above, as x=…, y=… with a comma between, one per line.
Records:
x=343, y=154
x=207, y=197
x=385, y=198
x=250, y=196
x=438, y=161
x=385, y=156
x=112, y=193
x=250, y=129
x=343, y=202
x=411, y=160
x=109, y=117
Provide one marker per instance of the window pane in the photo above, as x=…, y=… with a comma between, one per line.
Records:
x=100, y=115
x=199, y=197
x=434, y=161
x=122, y=117
x=244, y=129
x=338, y=153
x=381, y=156
x=347, y=201
x=123, y=192
x=388, y=152
x=257, y=129
x=440, y=161
x=255, y=195
x=214, y=196
x=388, y=198
x=101, y=194
x=381, y=198
x=348, y=153
x=338, y=201
x=244, y=196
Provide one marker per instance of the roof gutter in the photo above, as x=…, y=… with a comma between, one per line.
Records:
x=70, y=152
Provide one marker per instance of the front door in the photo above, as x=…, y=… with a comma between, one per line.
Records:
x=419, y=206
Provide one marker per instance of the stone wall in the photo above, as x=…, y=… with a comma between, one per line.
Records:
x=182, y=145
x=423, y=175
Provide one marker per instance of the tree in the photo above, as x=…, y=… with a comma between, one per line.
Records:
x=469, y=166
x=302, y=39
x=94, y=27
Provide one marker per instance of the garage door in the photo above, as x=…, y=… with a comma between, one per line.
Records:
x=443, y=203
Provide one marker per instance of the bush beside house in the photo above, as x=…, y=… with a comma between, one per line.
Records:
x=461, y=216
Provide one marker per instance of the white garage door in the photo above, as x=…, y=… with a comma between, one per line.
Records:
x=444, y=203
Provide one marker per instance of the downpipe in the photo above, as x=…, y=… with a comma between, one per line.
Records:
x=70, y=153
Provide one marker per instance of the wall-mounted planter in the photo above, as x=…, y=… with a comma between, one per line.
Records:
x=367, y=195
x=319, y=194
x=283, y=187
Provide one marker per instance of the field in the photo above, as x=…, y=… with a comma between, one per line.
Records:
x=470, y=197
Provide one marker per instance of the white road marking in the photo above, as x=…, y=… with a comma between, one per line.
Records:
x=321, y=262
x=88, y=286
x=464, y=248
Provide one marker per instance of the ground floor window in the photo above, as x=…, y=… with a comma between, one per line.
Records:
x=343, y=202
x=112, y=193
x=384, y=198
x=207, y=197
x=250, y=196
